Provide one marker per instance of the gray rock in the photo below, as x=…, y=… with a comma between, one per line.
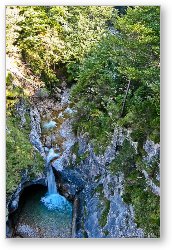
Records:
x=153, y=155
x=42, y=93
x=25, y=231
x=35, y=133
x=14, y=201
x=120, y=220
x=69, y=182
x=21, y=111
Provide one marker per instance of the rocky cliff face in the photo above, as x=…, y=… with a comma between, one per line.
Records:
x=101, y=210
x=86, y=178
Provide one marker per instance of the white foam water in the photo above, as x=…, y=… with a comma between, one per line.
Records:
x=56, y=202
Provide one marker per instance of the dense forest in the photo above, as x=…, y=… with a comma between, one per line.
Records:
x=109, y=58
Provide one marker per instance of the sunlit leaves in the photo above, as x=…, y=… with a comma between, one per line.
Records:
x=50, y=36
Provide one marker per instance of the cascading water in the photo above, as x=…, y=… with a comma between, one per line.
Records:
x=52, y=189
x=51, y=215
x=53, y=200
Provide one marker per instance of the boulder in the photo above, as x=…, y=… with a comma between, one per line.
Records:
x=69, y=182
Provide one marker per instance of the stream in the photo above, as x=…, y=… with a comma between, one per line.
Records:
x=39, y=221
x=45, y=213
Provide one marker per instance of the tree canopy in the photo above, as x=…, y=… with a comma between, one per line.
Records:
x=118, y=82
x=110, y=58
x=51, y=37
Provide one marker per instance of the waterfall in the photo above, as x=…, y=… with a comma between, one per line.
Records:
x=52, y=189
x=53, y=200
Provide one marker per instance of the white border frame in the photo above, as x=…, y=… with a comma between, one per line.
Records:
x=166, y=138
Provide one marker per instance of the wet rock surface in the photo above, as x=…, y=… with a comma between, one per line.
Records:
x=45, y=137
x=83, y=177
x=35, y=220
x=69, y=183
x=101, y=211
x=14, y=201
x=35, y=133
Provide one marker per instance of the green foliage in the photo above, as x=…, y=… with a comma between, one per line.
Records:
x=104, y=205
x=79, y=157
x=106, y=232
x=125, y=159
x=12, y=17
x=20, y=154
x=146, y=204
x=13, y=93
x=116, y=80
x=52, y=36
x=103, y=102
x=94, y=95
x=130, y=55
x=99, y=190
x=138, y=60
x=103, y=219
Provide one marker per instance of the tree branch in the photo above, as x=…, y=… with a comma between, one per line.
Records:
x=124, y=101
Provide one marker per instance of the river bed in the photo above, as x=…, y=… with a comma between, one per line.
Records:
x=35, y=220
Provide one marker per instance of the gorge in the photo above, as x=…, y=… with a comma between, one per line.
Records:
x=82, y=185
x=83, y=112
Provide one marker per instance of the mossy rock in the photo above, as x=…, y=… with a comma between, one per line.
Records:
x=20, y=154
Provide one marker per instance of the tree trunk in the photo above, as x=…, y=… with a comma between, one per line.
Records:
x=124, y=101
